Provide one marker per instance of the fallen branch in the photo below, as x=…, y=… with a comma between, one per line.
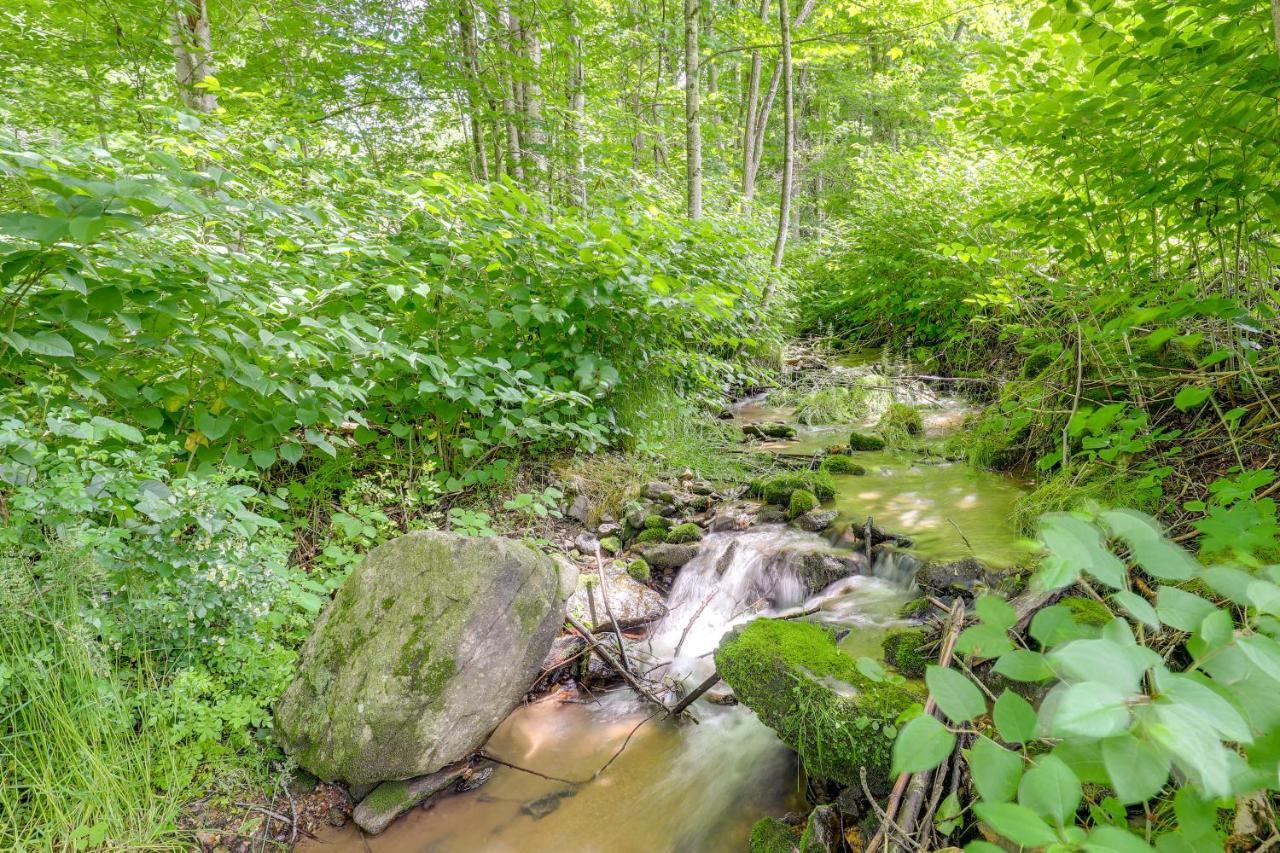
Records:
x=608, y=608
x=685, y=633
x=695, y=694
x=612, y=662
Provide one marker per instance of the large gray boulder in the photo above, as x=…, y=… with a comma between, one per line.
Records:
x=427, y=646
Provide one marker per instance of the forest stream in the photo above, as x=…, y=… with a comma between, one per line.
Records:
x=685, y=787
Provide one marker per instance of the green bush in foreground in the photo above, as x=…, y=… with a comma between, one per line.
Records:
x=1163, y=702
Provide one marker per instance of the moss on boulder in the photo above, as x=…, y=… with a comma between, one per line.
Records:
x=802, y=500
x=813, y=695
x=426, y=647
x=841, y=464
x=681, y=533
x=656, y=522
x=902, y=651
x=865, y=441
x=639, y=570
x=652, y=534
x=611, y=545
x=770, y=835
x=777, y=488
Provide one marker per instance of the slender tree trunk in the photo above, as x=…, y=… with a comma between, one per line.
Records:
x=467, y=29
x=692, y=121
x=789, y=137
x=579, y=109
x=762, y=117
x=1275, y=21
x=510, y=90
x=533, y=106
x=749, y=122
x=192, y=41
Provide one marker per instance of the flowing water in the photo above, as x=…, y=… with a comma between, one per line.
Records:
x=697, y=788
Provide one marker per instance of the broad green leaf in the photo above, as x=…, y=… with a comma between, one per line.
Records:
x=1091, y=709
x=983, y=641
x=1014, y=717
x=995, y=611
x=1017, y=823
x=1077, y=546
x=1110, y=839
x=1098, y=660
x=923, y=744
x=1190, y=396
x=995, y=770
x=1180, y=609
x=50, y=344
x=1137, y=769
x=1023, y=665
x=1050, y=790
x=956, y=695
x=1137, y=607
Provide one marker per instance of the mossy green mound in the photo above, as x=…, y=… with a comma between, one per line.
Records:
x=902, y=651
x=777, y=488
x=916, y=608
x=770, y=835
x=802, y=500
x=611, y=545
x=639, y=570
x=865, y=441
x=656, y=522
x=842, y=464
x=812, y=694
x=900, y=418
x=652, y=534
x=681, y=533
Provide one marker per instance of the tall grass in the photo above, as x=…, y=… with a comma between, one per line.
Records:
x=78, y=768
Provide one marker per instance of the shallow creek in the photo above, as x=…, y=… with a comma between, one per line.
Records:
x=697, y=788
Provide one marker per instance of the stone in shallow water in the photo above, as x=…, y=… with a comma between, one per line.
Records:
x=427, y=646
x=816, y=520
x=662, y=556
x=392, y=799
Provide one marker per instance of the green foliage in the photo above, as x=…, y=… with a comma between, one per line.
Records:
x=639, y=570
x=802, y=500
x=1180, y=728
x=656, y=522
x=900, y=423
x=688, y=532
x=865, y=441
x=841, y=464
x=833, y=404
x=902, y=651
x=778, y=488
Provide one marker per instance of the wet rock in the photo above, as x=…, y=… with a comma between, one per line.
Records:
x=658, y=491
x=426, y=647
x=726, y=559
x=767, y=431
x=816, y=520
x=669, y=556
x=813, y=695
x=337, y=816
x=392, y=799
x=822, y=833
x=564, y=659
x=961, y=577
x=543, y=806
x=580, y=509
x=732, y=517
x=771, y=515
x=474, y=777
x=816, y=570
x=597, y=669
x=608, y=528
x=770, y=835
x=585, y=543
x=633, y=602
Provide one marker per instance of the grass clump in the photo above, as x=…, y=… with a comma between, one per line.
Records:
x=1091, y=485
x=836, y=404
x=865, y=441
x=841, y=464
x=639, y=570
x=992, y=440
x=687, y=532
x=81, y=766
x=900, y=419
x=802, y=500
x=778, y=488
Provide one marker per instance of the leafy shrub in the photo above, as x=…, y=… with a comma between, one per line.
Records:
x=1167, y=703
x=687, y=532
x=802, y=500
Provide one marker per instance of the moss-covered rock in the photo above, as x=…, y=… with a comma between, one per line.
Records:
x=652, y=534
x=841, y=464
x=916, y=608
x=639, y=570
x=611, y=545
x=901, y=418
x=902, y=651
x=681, y=533
x=770, y=835
x=656, y=522
x=812, y=694
x=777, y=488
x=802, y=500
x=426, y=647
x=865, y=441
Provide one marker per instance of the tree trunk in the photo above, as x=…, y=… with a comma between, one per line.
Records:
x=467, y=29
x=510, y=88
x=1275, y=21
x=789, y=138
x=533, y=107
x=749, y=123
x=577, y=86
x=762, y=118
x=192, y=42
x=692, y=121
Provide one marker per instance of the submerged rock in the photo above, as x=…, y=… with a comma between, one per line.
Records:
x=426, y=647
x=816, y=570
x=813, y=695
x=392, y=799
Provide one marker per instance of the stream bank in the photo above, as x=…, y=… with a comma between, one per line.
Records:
x=723, y=559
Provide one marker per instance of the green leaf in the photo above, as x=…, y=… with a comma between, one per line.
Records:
x=1190, y=396
x=1180, y=609
x=923, y=744
x=1014, y=717
x=1137, y=607
x=995, y=770
x=995, y=611
x=1091, y=709
x=1017, y=823
x=1050, y=790
x=1075, y=546
x=956, y=695
x=51, y=344
x=212, y=426
x=983, y=641
x=291, y=452
x=1023, y=665
x=1111, y=839
x=1137, y=769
